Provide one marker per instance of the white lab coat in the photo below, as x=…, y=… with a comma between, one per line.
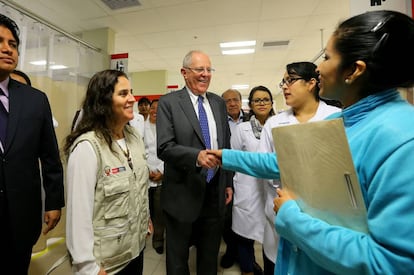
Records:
x=248, y=201
x=138, y=123
x=270, y=237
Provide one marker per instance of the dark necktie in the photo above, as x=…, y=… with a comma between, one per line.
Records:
x=202, y=117
x=4, y=117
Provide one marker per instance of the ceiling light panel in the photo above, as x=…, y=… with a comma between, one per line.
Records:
x=238, y=44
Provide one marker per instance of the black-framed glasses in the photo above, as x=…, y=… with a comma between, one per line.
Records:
x=201, y=70
x=258, y=101
x=288, y=81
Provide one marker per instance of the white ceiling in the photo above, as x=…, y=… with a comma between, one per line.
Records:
x=159, y=33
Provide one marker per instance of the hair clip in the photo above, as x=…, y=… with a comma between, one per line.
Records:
x=381, y=24
x=380, y=43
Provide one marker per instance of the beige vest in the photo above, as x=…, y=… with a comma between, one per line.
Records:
x=120, y=218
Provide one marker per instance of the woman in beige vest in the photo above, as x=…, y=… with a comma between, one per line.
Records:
x=107, y=182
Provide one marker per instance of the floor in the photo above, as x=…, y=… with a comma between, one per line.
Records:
x=154, y=264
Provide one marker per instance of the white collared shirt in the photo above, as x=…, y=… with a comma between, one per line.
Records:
x=233, y=123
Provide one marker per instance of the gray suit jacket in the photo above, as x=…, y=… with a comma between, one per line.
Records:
x=179, y=140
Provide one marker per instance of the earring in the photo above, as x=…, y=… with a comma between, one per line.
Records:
x=348, y=81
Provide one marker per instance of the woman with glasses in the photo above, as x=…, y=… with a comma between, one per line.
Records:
x=107, y=182
x=248, y=201
x=360, y=68
x=301, y=90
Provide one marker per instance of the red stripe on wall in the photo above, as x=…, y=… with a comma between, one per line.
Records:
x=150, y=97
x=119, y=55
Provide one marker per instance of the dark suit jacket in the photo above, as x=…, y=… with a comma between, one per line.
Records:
x=179, y=140
x=30, y=138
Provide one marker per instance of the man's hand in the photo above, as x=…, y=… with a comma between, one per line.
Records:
x=229, y=194
x=217, y=153
x=150, y=228
x=207, y=160
x=155, y=176
x=52, y=218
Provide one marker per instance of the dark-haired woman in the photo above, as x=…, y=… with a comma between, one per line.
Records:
x=361, y=68
x=107, y=181
x=301, y=91
x=248, y=204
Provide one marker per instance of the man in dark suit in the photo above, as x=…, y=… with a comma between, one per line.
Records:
x=235, y=116
x=26, y=136
x=193, y=205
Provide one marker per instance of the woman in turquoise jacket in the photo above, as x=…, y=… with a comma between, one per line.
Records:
x=362, y=68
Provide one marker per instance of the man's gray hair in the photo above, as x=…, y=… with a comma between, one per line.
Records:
x=188, y=58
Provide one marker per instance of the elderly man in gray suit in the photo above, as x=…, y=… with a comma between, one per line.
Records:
x=195, y=190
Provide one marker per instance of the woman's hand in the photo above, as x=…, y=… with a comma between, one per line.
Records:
x=283, y=196
x=217, y=153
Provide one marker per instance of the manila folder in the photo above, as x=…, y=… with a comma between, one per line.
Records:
x=316, y=165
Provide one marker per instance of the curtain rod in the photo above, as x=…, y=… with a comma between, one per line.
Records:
x=28, y=13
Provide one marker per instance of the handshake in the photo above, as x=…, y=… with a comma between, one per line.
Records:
x=209, y=158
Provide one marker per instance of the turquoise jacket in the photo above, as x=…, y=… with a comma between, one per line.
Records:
x=380, y=131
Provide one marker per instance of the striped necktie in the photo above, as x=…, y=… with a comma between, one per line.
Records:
x=202, y=117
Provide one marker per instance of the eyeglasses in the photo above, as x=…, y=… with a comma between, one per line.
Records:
x=258, y=101
x=288, y=81
x=200, y=70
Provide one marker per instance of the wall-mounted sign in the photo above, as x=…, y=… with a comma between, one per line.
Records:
x=361, y=6
x=119, y=62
